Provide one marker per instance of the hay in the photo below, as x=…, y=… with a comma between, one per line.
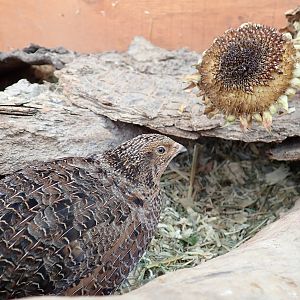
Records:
x=235, y=193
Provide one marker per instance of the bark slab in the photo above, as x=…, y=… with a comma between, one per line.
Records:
x=145, y=86
x=97, y=99
x=39, y=123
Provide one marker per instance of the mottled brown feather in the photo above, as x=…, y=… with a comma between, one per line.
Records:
x=78, y=226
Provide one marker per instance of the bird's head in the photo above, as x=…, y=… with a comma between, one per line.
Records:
x=144, y=158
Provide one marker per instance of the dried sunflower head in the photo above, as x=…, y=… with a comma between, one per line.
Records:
x=248, y=72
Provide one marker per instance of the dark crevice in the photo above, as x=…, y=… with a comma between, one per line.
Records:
x=13, y=69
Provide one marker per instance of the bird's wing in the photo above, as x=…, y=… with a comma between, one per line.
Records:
x=58, y=221
x=116, y=263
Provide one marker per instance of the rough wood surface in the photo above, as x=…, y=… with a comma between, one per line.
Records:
x=35, y=55
x=288, y=150
x=39, y=124
x=264, y=268
x=144, y=86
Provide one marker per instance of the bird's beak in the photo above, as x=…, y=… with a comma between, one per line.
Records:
x=181, y=149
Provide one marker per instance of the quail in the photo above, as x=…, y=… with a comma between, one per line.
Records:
x=79, y=225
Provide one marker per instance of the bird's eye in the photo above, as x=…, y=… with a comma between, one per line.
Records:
x=160, y=150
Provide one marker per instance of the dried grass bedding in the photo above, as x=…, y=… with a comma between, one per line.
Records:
x=237, y=191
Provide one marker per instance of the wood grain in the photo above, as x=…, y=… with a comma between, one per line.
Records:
x=100, y=25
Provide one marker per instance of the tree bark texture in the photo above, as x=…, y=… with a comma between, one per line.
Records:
x=98, y=98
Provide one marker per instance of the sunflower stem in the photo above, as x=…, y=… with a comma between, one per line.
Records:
x=193, y=174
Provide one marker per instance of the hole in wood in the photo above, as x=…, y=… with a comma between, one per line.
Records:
x=13, y=69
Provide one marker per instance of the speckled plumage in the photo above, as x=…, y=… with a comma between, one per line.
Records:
x=78, y=226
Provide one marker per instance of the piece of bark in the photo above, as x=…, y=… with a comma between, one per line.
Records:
x=288, y=150
x=35, y=55
x=38, y=123
x=264, y=268
x=292, y=15
x=34, y=63
x=144, y=86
